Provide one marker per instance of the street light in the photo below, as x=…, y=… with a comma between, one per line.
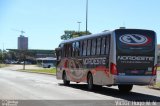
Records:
x=86, y=15
x=79, y=24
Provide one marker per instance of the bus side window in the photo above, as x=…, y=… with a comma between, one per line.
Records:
x=70, y=50
x=67, y=48
x=73, y=49
x=84, y=47
x=81, y=48
x=98, y=46
x=107, y=50
x=77, y=49
x=107, y=44
x=93, y=46
x=59, y=54
x=89, y=48
x=64, y=50
x=103, y=46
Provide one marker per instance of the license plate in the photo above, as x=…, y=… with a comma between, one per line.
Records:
x=134, y=71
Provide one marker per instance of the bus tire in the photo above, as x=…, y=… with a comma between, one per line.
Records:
x=125, y=88
x=49, y=66
x=65, y=81
x=90, y=85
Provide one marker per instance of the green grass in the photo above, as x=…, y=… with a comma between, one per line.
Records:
x=158, y=68
x=157, y=85
x=45, y=71
x=3, y=65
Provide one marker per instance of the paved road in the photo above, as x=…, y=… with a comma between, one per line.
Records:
x=16, y=85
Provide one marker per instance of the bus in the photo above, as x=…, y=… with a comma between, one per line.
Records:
x=122, y=57
x=47, y=62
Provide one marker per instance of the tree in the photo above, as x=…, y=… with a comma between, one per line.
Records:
x=3, y=55
x=0, y=56
x=68, y=34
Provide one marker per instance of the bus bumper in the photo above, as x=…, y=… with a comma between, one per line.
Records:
x=135, y=80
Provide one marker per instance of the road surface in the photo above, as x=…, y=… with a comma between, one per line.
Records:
x=16, y=85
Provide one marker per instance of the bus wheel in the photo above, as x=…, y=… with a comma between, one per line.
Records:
x=90, y=85
x=49, y=66
x=125, y=88
x=65, y=81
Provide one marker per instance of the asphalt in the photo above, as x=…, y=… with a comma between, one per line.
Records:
x=32, y=89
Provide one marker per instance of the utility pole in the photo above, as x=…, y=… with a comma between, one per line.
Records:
x=86, y=16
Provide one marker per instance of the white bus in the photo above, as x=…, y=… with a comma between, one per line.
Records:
x=47, y=62
x=123, y=57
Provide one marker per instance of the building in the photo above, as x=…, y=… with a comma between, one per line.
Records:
x=32, y=55
x=22, y=43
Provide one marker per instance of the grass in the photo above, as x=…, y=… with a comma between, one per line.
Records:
x=157, y=85
x=158, y=68
x=45, y=71
x=3, y=65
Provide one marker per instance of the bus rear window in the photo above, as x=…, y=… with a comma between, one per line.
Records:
x=137, y=41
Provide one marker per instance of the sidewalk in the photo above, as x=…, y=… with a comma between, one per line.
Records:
x=20, y=67
x=29, y=69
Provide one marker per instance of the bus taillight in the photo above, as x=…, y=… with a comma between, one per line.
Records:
x=154, y=70
x=113, y=69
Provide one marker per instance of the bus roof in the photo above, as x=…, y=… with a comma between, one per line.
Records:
x=86, y=37
x=95, y=35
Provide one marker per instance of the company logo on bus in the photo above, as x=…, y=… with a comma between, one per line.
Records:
x=134, y=39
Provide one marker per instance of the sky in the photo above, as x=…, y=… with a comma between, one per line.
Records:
x=44, y=21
